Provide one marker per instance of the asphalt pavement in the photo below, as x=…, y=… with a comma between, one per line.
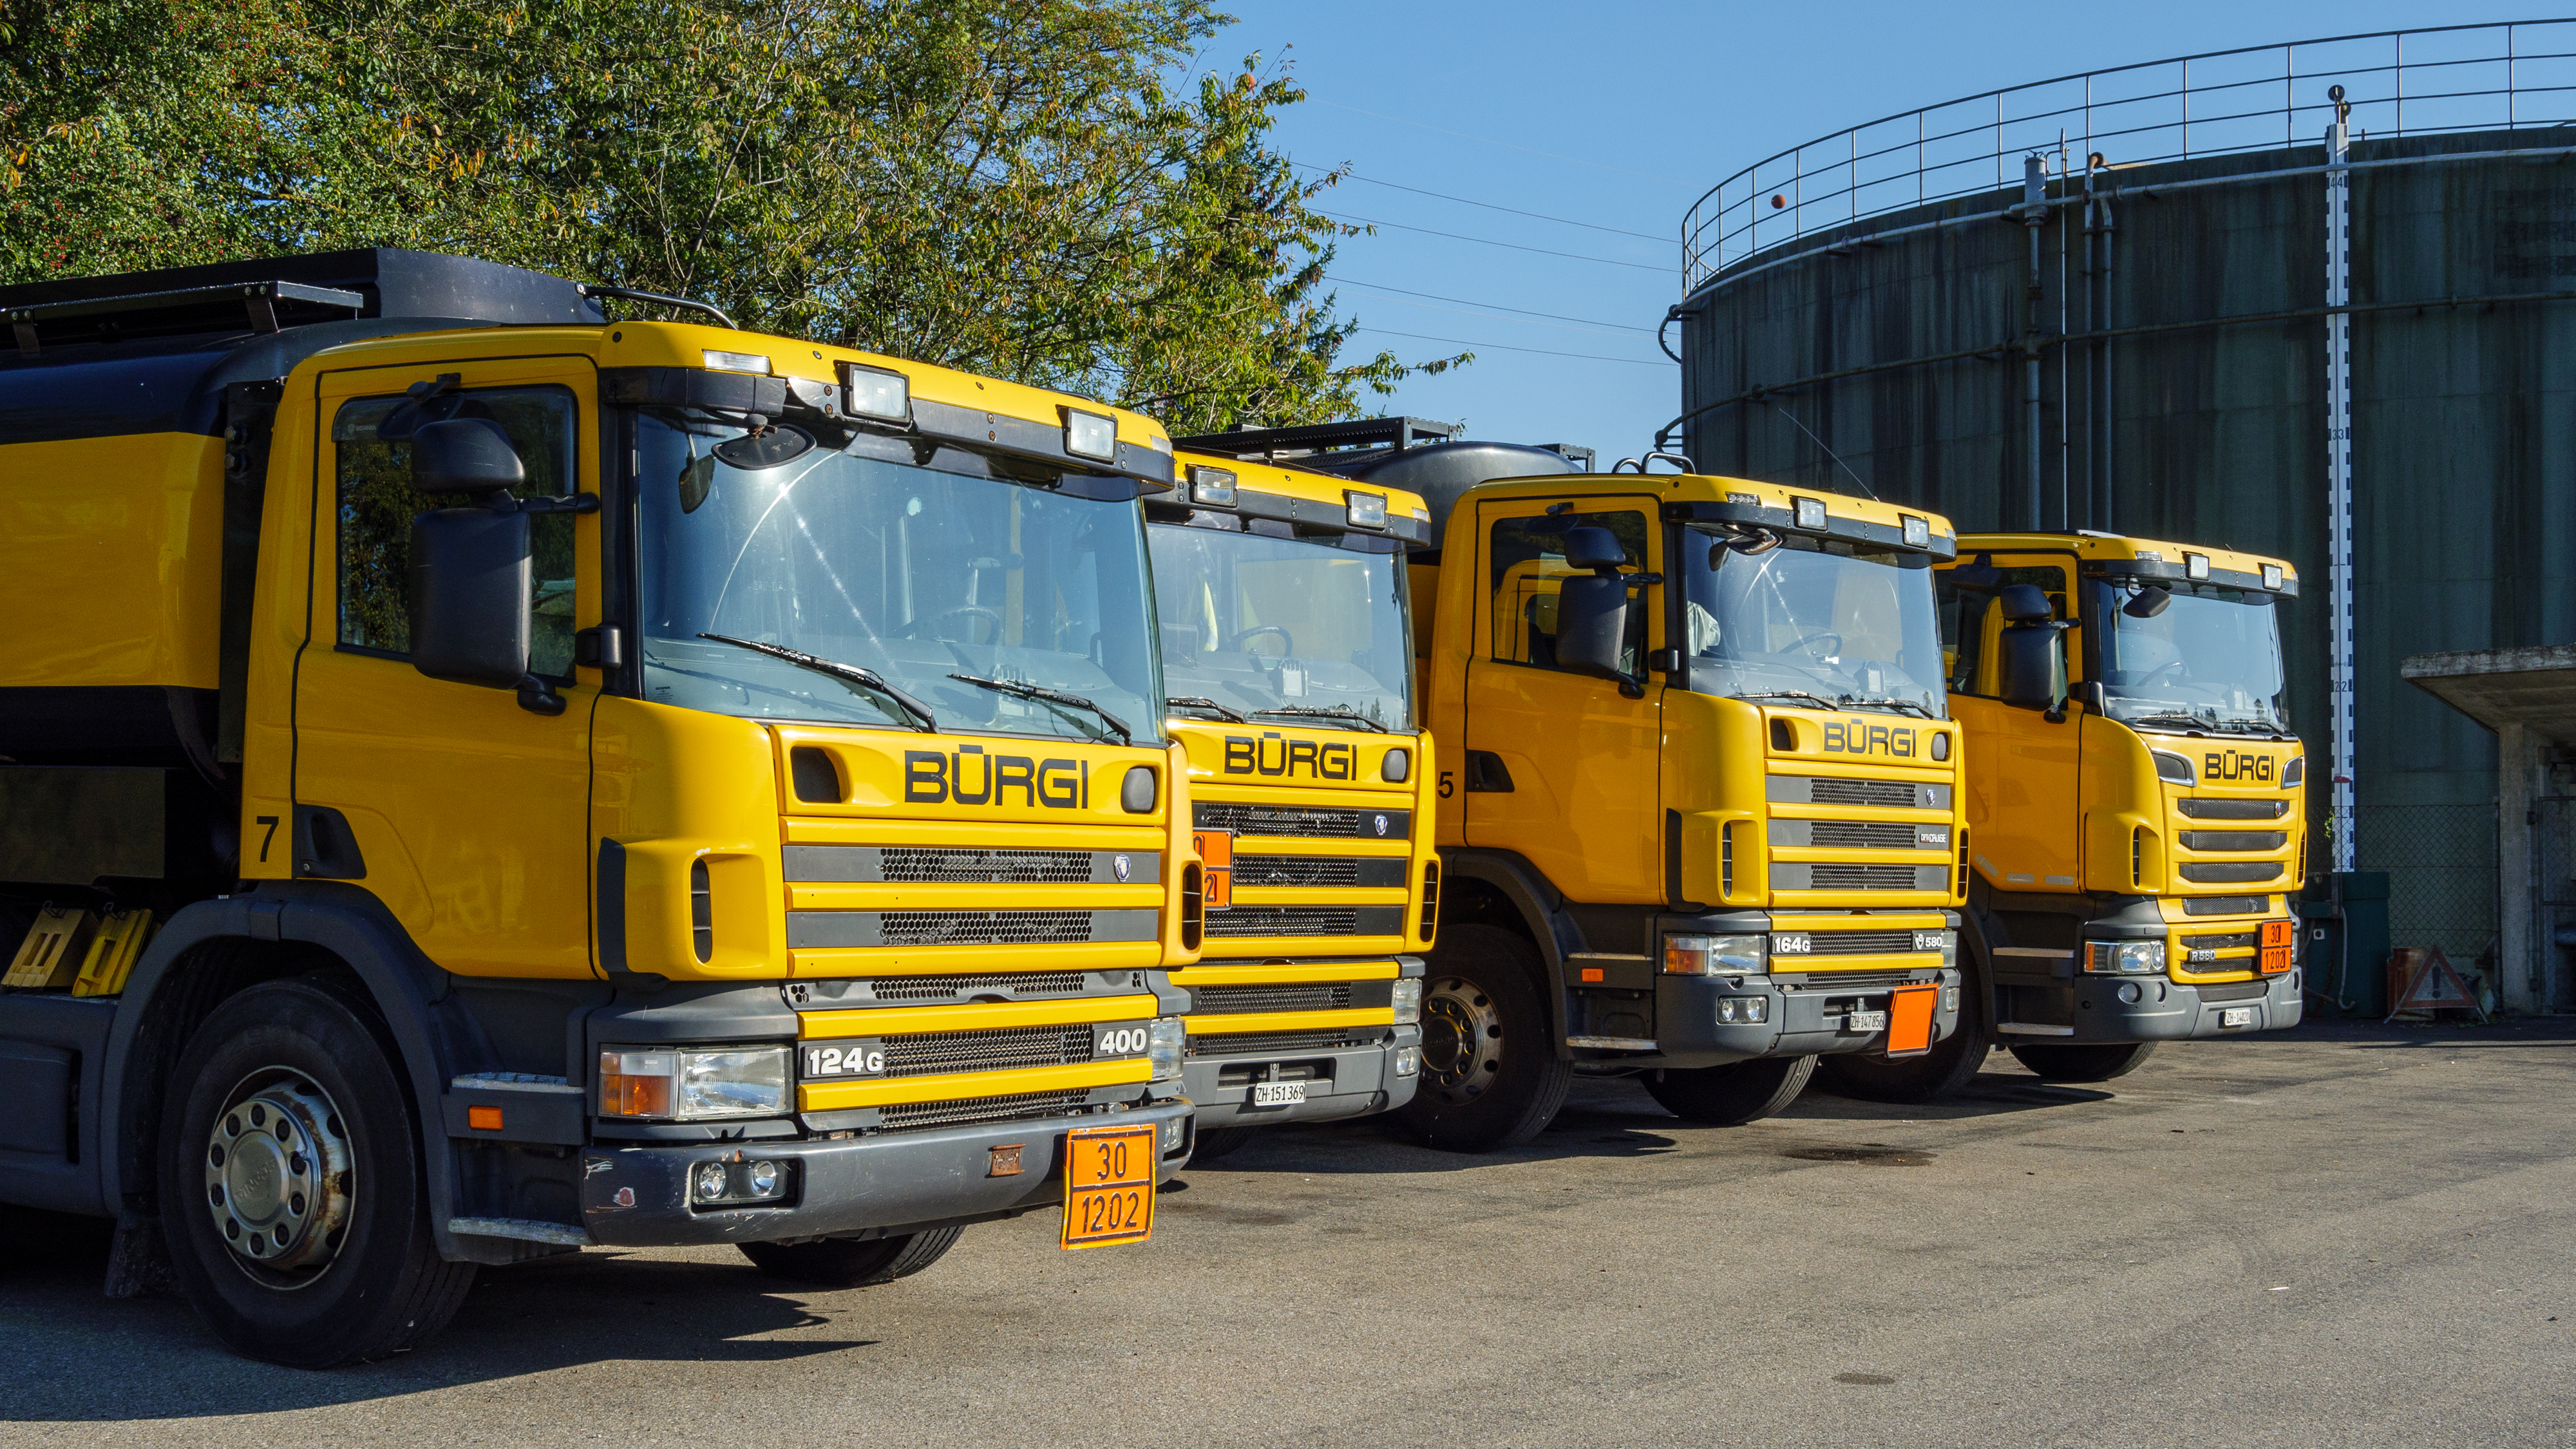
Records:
x=2336, y=1236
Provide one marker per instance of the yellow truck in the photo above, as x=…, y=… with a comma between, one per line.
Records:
x=1697, y=799
x=2135, y=795
x=1287, y=648
x=483, y=781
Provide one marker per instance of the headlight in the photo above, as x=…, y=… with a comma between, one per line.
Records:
x=1734, y=1010
x=688, y=1084
x=1365, y=510
x=1163, y=1047
x=1212, y=486
x=2195, y=565
x=1406, y=993
x=1714, y=955
x=1089, y=435
x=1918, y=532
x=875, y=392
x=2124, y=958
x=1396, y=767
x=2170, y=766
x=2272, y=577
x=1408, y=1061
x=726, y=1183
x=1809, y=513
x=736, y=361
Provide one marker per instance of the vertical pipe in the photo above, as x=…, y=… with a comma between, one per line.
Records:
x=2110, y=400
x=2339, y=661
x=2065, y=399
x=2092, y=354
x=2034, y=216
x=2186, y=108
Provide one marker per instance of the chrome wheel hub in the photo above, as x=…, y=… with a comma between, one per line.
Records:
x=277, y=1177
x=1462, y=1039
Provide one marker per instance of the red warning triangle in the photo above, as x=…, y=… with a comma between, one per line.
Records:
x=2435, y=986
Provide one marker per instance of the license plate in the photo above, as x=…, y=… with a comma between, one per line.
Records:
x=1108, y=1185
x=1278, y=1094
x=2235, y=1016
x=1865, y=1021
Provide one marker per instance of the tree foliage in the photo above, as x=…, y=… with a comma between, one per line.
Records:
x=1045, y=190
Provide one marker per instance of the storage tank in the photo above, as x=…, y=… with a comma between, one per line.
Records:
x=2107, y=301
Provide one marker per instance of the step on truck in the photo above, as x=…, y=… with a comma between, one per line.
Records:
x=2136, y=798
x=1697, y=798
x=1287, y=646
x=482, y=781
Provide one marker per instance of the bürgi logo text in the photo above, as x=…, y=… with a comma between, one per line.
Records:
x=1273, y=755
x=971, y=777
x=2237, y=765
x=1869, y=739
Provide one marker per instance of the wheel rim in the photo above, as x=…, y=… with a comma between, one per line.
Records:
x=277, y=1177
x=1462, y=1039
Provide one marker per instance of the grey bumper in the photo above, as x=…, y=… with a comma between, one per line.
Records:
x=1798, y=1020
x=1352, y=1082
x=889, y=1183
x=2088, y=1008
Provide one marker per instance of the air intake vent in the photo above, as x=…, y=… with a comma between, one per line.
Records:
x=1895, y=793
x=1430, y=899
x=817, y=779
x=1193, y=907
x=1318, y=996
x=922, y=1116
x=1726, y=860
x=1280, y=1043
x=931, y=1053
x=1307, y=921
x=1963, y=862
x=1784, y=736
x=702, y=913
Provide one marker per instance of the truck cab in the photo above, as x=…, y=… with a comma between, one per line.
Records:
x=2135, y=798
x=1697, y=799
x=487, y=780
x=1281, y=596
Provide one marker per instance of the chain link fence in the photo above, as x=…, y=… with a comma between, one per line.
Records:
x=2441, y=864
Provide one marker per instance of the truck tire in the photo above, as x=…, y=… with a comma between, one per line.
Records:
x=1953, y=1062
x=1491, y=1078
x=840, y=1263
x=291, y=1184
x=1216, y=1142
x=2096, y=1063
x=1734, y=1094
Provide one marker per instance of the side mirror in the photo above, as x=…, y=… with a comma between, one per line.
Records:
x=1592, y=625
x=2025, y=604
x=471, y=586
x=1596, y=549
x=1979, y=577
x=464, y=455
x=2032, y=666
x=2148, y=602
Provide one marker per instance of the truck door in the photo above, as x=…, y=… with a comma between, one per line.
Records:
x=2023, y=812
x=463, y=812
x=1563, y=767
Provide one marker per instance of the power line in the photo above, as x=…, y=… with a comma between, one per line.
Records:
x=1506, y=145
x=1505, y=347
x=1488, y=241
x=1489, y=206
x=1474, y=311
x=1466, y=302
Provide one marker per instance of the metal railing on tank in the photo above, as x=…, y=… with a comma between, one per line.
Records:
x=2502, y=76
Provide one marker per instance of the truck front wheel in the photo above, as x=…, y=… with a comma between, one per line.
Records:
x=1731, y=1095
x=2084, y=1063
x=838, y=1263
x=291, y=1185
x=1491, y=1077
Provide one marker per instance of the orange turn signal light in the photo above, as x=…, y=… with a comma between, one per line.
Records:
x=483, y=1119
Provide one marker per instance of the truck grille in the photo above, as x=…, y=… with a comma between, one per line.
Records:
x=1856, y=943
x=824, y=930
x=1295, y=870
x=922, y=1116
x=2233, y=839
x=994, y=1049
x=2233, y=990
x=2215, y=872
x=1830, y=791
x=997, y=866
x=1842, y=877
x=2233, y=809
x=2224, y=905
x=1863, y=835
x=2239, y=940
x=1321, y=996
x=1858, y=980
x=1282, y=1043
x=1307, y=921
x=1312, y=821
x=943, y=988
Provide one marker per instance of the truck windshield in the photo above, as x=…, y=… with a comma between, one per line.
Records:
x=2211, y=659
x=919, y=571
x=1811, y=621
x=1273, y=624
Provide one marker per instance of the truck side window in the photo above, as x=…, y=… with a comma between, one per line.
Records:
x=1968, y=617
x=1529, y=568
x=376, y=503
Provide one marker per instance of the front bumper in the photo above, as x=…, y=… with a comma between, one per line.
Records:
x=2088, y=1008
x=881, y=1185
x=1804, y=1018
x=1352, y=1082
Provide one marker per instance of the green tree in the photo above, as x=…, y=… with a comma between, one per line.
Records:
x=1034, y=189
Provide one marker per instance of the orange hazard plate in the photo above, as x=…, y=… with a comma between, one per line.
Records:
x=1216, y=868
x=1909, y=1019
x=1108, y=1185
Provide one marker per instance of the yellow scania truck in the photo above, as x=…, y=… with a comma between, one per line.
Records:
x=482, y=781
x=2135, y=796
x=1287, y=646
x=1697, y=800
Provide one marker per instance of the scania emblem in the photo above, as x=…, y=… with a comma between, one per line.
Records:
x=1119, y=865
x=1381, y=825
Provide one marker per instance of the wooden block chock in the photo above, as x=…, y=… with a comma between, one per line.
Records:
x=113, y=951
x=51, y=955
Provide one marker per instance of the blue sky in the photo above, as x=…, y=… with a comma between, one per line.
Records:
x=1608, y=120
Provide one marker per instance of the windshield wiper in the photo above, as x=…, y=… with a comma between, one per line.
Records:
x=855, y=674
x=1817, y=699
x=1341, y=712
x=1194, y=701
x=2174, y=717
x=1893, y=704
x=1051, y=696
